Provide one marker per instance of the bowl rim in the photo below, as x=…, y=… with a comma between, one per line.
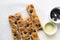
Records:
x=51, y=33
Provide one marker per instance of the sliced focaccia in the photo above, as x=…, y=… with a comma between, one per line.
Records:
x=14, y=27
x=32, y=13
x=31, y=29
x=24, y=32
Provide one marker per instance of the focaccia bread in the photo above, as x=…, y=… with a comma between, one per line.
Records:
x=23, y=30
x=32, y=13
x=31, y=29
x=14, y=27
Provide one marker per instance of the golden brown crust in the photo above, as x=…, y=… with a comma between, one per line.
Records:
x=24, y=32
x=31, y=29
x=32, y=13
x=14, y=27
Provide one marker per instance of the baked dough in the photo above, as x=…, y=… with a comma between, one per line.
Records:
x=23, y=30
x=31, y=29
x=32, y=13
x=14, y=27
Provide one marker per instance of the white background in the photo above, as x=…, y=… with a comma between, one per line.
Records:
x=43, y=8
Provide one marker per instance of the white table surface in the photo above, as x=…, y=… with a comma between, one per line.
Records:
x=43, y=8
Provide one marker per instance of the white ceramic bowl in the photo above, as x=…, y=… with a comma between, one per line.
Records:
x=58, y=20
x=50, y=32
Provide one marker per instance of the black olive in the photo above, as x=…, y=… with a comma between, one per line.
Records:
x=21, y=33
x=11, y=16
x=34, y=30
x=55, y=13
x=17, y=18
x=15, y=34
x=38, y=25
x=29, y=32
x=25, y=32
x=28, y=39
x=31, y=11
x=27, y=25
x=19, y=22
x=58, y=16
x=15, y=22
x=55, y=19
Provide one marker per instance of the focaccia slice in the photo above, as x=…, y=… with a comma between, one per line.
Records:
x=14, y=27
x=31, y=29
x=24, y=32
x=32, y=13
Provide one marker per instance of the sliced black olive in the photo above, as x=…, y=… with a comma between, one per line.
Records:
x=31, y=11
x=21, y=33
x=15, y=34
x=18, y=22
x=38, y=25
x=28, y=39
x=29, y=32
x=55, y=19
x=34, y=30
x=11, y=16
x=55, y=13
x=17, y=18
x=15, y=22
x=27, y=25
x=25, y=32
x=58, y=16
